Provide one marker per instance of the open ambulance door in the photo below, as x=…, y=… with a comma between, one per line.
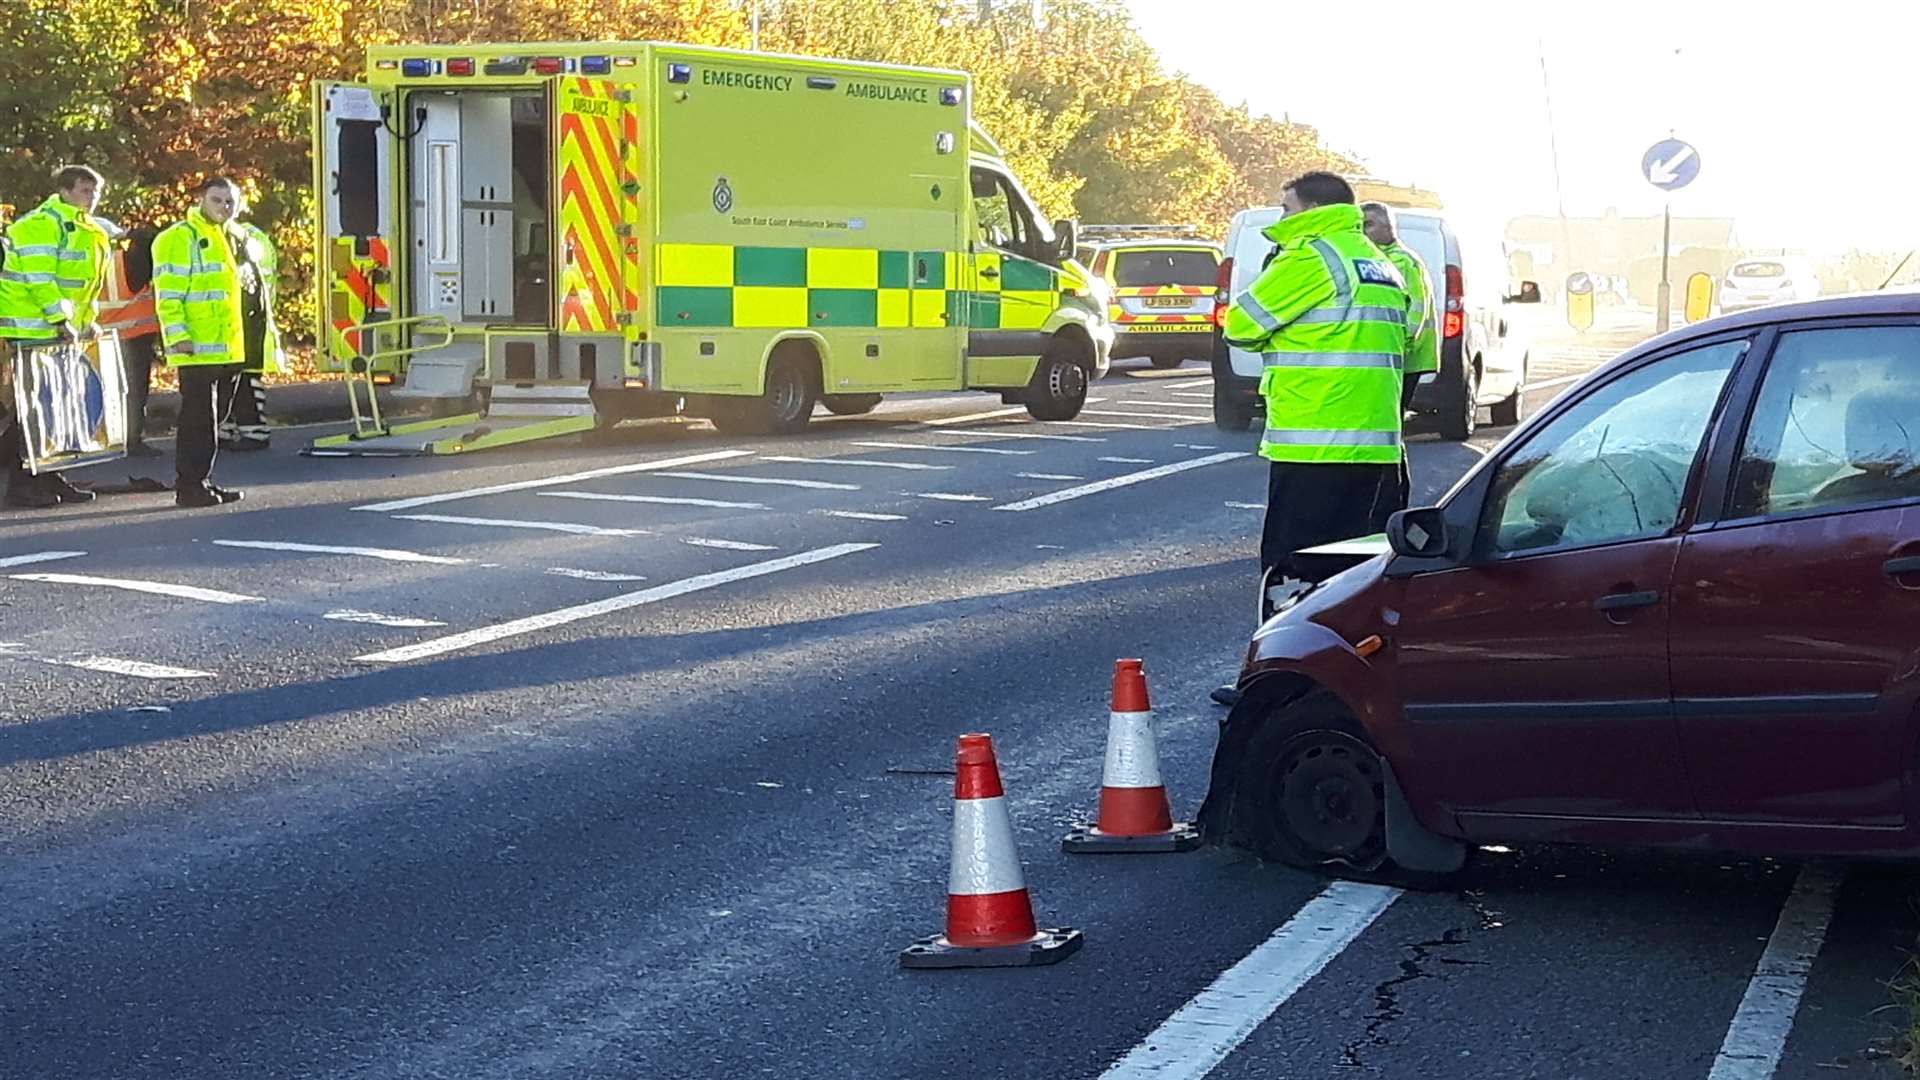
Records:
x=353, y=160
x=598, y=211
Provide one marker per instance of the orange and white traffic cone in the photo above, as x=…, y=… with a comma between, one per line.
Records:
x=1134, y=813
x=989, y=914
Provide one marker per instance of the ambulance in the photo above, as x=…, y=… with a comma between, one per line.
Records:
x=564, y=236
x=1162, y=280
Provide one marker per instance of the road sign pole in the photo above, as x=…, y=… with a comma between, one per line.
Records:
x=1662, y=314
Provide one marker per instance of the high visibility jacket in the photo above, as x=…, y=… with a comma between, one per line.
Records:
x=56, y=258
x=1329, y=316
x=1423, y=355
x=196, y=289
x=123, y=309
x=266, y=262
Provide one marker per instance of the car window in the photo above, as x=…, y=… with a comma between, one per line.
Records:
x=1613, y=467
x=1138, y=269
x=1001, y=220
x=1836, y=423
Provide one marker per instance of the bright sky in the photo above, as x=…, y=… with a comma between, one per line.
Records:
x=1452, y=100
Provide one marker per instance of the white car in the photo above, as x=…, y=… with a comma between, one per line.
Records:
x=1756, y=282
x=1483, y=357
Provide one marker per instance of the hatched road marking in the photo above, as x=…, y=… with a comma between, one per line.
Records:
x=1141, y=415
x=914, y=466
x=39, y=557
x=1758, y=1034
x=768, y=481
x=1121, y=481
x=155, y=588
x=1028, y=435
x=969, y=417
x=554, y=481
x=1198, y=1037
x=942, y=449
x=514, y=523
x=385, y=554
x=658, y=500
x=536, y=623
x=943, y=496
x=592, y=575
x=1048, y=476
x=138, y=669
x=726, y=545
x=862, y=515
x=374, y=618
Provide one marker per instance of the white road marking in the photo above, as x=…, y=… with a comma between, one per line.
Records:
x=535, y=623
x=138, y=669
x=970, y=417
x=1193, y=393
x=1758, y=1034
x=1121, y=481
x=943, y=496
x=156, y=588
x=515, y=523
x=1196, y=446
x=592, y=575
x=862, y=515
x=1140, y=415
x=726, y=545
x=943, y=449
x=1247, y=506
x=1483, y=451
x=659, y=500
x=1109, y=427
x=1029, y=435
x=1208, y=381
x=914, y=466
x=1128, y=460
x=1544, y=384
x=38, y=557
x=1171, y=404
x=374, y=618
x=767, y=481
x=554, y=481
x=1198, y=1037
x=385, y=554
x=1048, y=476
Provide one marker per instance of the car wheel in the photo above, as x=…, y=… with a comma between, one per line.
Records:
x=1460, y=417
x=1231, y=412
x=1059, y=385
x=1507, y=413
x=850, y=404
x=1165, y=363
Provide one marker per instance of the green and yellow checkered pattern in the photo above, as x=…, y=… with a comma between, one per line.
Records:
x=720, y=285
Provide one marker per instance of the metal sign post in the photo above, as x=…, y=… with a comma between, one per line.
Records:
x=1668, y=165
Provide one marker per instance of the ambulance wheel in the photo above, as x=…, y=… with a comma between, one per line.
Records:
x=1059, y=385
x=783, y=408
x=850, y=404
x=1167, y=362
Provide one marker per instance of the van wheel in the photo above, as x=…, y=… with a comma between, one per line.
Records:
x=1059, y=385
x=1507, y=413
x=1460, y=416
x=850, y=404
x=783, y=408
x=1165, y=363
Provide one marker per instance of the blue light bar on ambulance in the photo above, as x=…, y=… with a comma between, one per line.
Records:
x=680, y=73
x=416, y=69
x=949, y=95
x=595, y=65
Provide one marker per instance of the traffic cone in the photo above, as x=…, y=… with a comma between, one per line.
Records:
x=1134, y=814
x=989, y=914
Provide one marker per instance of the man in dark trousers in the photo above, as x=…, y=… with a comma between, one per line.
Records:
x=198, y=293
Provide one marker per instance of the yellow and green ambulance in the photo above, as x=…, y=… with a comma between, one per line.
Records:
x=584, y=233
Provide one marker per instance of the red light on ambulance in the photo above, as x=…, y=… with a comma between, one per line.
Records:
x=460, y=66
x=549, y=65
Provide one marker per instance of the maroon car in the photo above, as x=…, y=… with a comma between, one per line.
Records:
x=1680, y=606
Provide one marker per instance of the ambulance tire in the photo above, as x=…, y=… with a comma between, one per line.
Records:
x=850, y=404
x=783, y=408
x=1165, y=363
x=1059, y=385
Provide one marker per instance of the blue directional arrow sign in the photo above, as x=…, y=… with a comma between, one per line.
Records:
x=1670, y=164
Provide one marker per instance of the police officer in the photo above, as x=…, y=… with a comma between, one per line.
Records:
x=258, y=264
x=197, y=291
x=57, y=256
x=1330, y=317
x=1423, y=355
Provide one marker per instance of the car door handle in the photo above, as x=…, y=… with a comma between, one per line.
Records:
x=990, y=273
x=1906, y=564
x=1627, y=601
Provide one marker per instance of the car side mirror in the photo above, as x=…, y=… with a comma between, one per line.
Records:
x=1418, y=534
x=1066, y=233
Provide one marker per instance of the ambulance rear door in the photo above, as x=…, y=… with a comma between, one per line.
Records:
x=353, y=160
x=599, y=204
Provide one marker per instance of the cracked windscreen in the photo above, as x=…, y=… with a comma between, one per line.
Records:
x=1615, y=466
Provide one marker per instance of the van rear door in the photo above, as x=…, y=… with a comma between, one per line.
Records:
x=598, y=211
x=353, y=163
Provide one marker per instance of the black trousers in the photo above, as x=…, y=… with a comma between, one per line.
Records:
x=1309, y=505
x=203, y=389
x=136, y=361
x=243, y=408
x=13, y=463
x=1394, y=496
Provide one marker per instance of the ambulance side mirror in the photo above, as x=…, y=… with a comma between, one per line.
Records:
x=1066, y=233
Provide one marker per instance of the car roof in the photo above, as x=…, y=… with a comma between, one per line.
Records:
x=1849, y=305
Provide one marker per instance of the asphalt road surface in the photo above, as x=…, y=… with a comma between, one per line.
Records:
x=630, y=760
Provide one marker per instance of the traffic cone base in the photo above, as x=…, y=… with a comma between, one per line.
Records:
x=1044, y=947
x=1089, y=840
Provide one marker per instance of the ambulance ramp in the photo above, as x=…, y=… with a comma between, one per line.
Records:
x=515, y=414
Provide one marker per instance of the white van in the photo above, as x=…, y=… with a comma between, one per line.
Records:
x=1483, y=362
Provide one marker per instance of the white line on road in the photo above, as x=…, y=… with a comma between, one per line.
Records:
x=535, y=623
x=1247, y=506
x=1196, y=446
x=1048, y=476
x=1141, y=415
x=1171, y=404
x=914, y=466
x=1544, y=384
x=943, y=496
x=1017, y=409
x=767, y=481
x=1193, y=393
x=554, y=481
x=1198, y=1037
x=156, y=588
x=1172, y=374
x=592, y=575
x=39, y=557
x=981, y=432
x=1110, y=427
x=862, y=515
x=385, y=554
x=138, y=669
x=1121, y=481
x=515, y=523
x=943, y=449
x=658, y=500
x=726, y=545
x=1128, y=460
x=1758, y=1034
x=374, y=618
